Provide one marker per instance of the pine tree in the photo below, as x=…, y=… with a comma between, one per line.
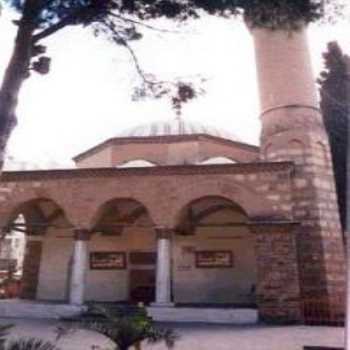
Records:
x=335, y=105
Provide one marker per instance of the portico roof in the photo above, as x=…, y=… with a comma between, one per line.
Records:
x=257, y=167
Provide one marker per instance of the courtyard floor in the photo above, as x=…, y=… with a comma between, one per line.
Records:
x=196, y=337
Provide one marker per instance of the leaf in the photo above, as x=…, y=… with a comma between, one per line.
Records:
x=30, y=344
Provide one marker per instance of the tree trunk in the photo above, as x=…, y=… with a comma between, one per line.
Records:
x=17, y=71
x=347, y=224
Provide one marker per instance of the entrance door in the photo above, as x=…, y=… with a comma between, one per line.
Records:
x=142, y=276
x=142, y=285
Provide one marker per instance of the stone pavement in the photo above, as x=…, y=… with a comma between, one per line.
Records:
x=197, y=337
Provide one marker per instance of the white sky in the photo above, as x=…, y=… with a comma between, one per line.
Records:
x=86, y=97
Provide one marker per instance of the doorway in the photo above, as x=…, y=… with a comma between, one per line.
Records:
x=142, y=277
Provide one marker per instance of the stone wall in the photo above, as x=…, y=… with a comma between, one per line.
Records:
x=169, y=150
x=278, y=291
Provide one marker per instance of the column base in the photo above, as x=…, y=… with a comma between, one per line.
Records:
x=155, y=304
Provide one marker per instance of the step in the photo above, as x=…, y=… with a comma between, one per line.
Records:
x=204, y=315
x=37, y=310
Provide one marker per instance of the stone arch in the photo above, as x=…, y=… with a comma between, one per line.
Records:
x=213, y=225
x=252, y=203
x=123, y=225
x=296, y=146
x=203, y=208
x=106, y=208
x=28, y=205
x=35, y=219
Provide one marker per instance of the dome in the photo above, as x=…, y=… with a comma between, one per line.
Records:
x=176, y=126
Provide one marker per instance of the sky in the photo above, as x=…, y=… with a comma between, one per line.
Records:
x=86, y=97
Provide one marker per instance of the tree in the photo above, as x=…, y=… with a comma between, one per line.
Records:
x=334, y=84
x=121, y=20
x=125, y=326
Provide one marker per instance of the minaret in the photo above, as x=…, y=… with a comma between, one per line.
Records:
x=293, y=130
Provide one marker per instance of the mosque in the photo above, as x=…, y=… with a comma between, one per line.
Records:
x=178, y=213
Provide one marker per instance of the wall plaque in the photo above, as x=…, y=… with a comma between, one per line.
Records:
x=107, y=261
x=214, y=259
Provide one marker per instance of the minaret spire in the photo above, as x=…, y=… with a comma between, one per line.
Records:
x=293, y=130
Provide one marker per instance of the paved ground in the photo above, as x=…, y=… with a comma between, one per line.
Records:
x=198, y=337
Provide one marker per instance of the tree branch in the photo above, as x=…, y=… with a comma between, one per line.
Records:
x=133, y=21
x=53, y=29
x=132, y=53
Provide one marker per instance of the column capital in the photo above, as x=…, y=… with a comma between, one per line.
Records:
x=164, y=232
x=82, y=234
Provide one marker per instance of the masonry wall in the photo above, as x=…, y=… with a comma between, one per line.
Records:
x=185, y=151
x=100, y=158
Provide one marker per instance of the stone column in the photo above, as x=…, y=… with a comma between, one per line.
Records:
x=31, y=266
x=293, y=130
x=278, y=288
x=163, y=272
x=79, y=267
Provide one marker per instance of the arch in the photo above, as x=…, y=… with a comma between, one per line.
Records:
x=38, y=213
x=213, y=231
x=296, y=146
x=137, y=163
x=113, y=213
x=252, y=203
x=202, y=209
x=217, y=160
x=123, y=226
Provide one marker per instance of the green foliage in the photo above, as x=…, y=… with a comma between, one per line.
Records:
x=3, y=334
x=23, y=343
x=334, y=84
x=266, y=13
x=30, y=344
x=127, y=326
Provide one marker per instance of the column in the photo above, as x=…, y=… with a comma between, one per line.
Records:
x=79, y=267
x=163, y=272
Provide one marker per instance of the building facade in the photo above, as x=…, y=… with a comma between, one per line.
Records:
x=179, y=213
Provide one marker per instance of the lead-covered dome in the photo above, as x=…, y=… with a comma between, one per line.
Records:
x=176, y=126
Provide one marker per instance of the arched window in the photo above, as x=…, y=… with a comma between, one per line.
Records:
x=136, y=163
x=217, y=160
